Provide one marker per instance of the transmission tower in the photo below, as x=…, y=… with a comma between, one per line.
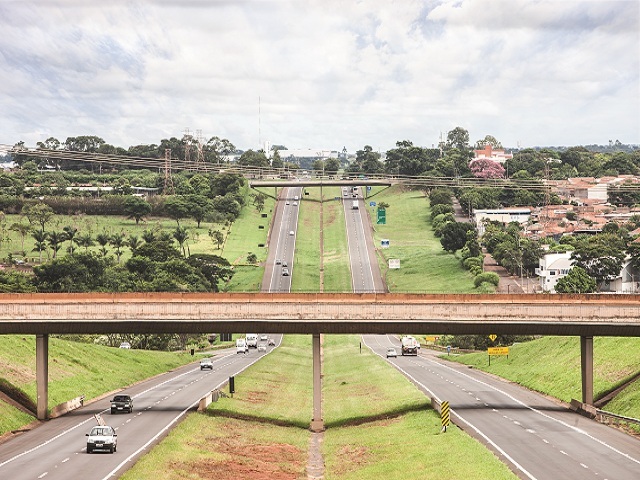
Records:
x=199, y=146
x=547, y=194
x=187, y=145
x=168, y=179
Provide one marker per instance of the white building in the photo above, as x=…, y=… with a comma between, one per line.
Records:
x=502, y=215
x=553, y=267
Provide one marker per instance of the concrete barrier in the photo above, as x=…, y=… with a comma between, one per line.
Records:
x=66, y=407
x=208, y=399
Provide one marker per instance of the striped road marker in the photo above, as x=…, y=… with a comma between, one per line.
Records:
x=444, y=415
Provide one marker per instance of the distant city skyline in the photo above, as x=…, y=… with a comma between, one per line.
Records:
x=321, y=74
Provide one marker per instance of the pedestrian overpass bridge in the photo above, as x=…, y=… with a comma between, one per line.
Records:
x=585, y=316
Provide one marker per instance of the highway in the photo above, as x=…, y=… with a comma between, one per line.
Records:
x=57, y=448
x=282, y=242
x=365, y=271
x=536, y=436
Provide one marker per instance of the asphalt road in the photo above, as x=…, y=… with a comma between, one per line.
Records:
x=283, y=243
x=57, y=448
x=365, y=271
x=537, y=437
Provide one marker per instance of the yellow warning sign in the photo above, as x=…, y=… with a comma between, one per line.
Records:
x=498, y=351
x=493, y=337
x=444, y=414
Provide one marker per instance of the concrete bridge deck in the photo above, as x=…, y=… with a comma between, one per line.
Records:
x=579, y=315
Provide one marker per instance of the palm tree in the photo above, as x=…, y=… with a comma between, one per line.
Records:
x=41, y=242
x=103, y=240
x=71, y=233
x=84, y=240
x=22, y=229
x=134, y=243
x=181, y=235
x=217, y=236
x=56, y=239
x=117, y=241
x=149, y=236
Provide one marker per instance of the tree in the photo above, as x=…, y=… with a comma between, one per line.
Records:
x=71, y=233
x=214, y=268
x=251, y=158
x=331, y=166
x=83, y=272
x=217, y=236
x=576, y=281
x=217, y=149
x=22, y=229
x=225, y=183
x=181, y=235
x=440, y=196
x=38, y=214
x=199, y=207
x=56, y=239
x=103, y=240
x=136, y=208
x=118, y=241
x=252, y=258
x=457, y=138
x=40, y=237
x=488, y=140
x=134, y=242
x=177, y=207
x=85, y=240
x=600, y=256
x=454, y=236
x=411, y=160
x=485, y=168
x=258, y=200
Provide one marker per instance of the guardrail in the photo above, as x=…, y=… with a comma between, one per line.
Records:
x=609, y=418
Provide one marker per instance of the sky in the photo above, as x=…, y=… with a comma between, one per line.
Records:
x=321, y=74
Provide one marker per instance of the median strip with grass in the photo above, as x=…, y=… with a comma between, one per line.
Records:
x=379, y=425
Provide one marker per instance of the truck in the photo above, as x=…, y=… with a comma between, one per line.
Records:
x=252, y=340
x=409, y=345
x=354, y=205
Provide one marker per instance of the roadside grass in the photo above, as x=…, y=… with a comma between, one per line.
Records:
x=337, y=274
x=77, y=369
x=306, y=266
x=265, y=425
x=12, y=418
x=424, y=266
x=552, y=365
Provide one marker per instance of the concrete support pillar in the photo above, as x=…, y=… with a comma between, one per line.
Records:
x=317, y=423
x=586, y=364
x=42, y=375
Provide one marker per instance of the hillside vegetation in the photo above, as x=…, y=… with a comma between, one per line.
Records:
x=75, y=369
x=552, y=365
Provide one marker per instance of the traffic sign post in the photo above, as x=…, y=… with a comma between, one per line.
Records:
x=444, y=415
x=497, y=351
x=382, y=217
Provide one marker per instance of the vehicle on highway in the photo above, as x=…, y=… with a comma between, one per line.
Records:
x=102, y=437
x=206, y=363
x=291, y=232
x=391, y=352
x=295, y=204
x=252, y=340
x=295, y=197
x=285, y=264
x=121, y=403
x=286, y=203
x=278, y=261
x=241, y=346
x=271, y=342
x=262, y=347
x=409, y=345
x=264, y=338
x=285, y=272
x=125, y=345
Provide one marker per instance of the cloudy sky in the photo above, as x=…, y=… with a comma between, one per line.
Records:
x=321, y=74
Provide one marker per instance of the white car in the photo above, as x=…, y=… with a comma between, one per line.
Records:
x=391, y=352
x=291, y=232
x=295, y=204
x=126, y=345
x=206, y=363
x=264, y=338
x=262, y=347
x=102, y=437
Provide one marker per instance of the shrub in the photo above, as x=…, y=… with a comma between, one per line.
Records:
x=490, y=277
x=472, y=262
x=486, y=287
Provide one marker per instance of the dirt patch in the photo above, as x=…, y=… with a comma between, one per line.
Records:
x=352, y=457
x=16, y=373
x=258, y=462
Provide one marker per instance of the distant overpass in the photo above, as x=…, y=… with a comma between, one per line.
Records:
x=325, y=182
x=573, y=315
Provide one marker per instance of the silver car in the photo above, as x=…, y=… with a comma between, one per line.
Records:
x=102, y=437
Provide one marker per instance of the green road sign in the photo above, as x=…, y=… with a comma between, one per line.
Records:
x=382, y=217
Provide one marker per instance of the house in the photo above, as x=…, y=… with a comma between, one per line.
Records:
x=489, y=153
x=502, y=215
x=553, y=267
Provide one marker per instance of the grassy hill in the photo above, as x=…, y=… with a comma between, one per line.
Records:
x=552, y=365
x=74, y=369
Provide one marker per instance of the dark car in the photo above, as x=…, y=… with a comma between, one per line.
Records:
x=121, y=403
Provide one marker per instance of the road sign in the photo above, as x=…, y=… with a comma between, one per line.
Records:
x=444, y=415
x=382, y=217
x=394, y=263
x=384, y=243
x=493, y=337
x=368, y=188
x=372, y=204
x=498, y=351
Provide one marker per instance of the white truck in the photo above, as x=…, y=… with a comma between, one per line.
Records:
x=409, y=345
x=252, y=340
x=354, y=205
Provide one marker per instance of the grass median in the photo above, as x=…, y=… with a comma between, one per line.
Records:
x=379, y=425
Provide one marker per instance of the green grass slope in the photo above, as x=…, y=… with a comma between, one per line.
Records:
x=424, y=266
x=74, y=369
x=552, y=365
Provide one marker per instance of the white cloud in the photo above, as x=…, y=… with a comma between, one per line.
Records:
x=328, y=72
